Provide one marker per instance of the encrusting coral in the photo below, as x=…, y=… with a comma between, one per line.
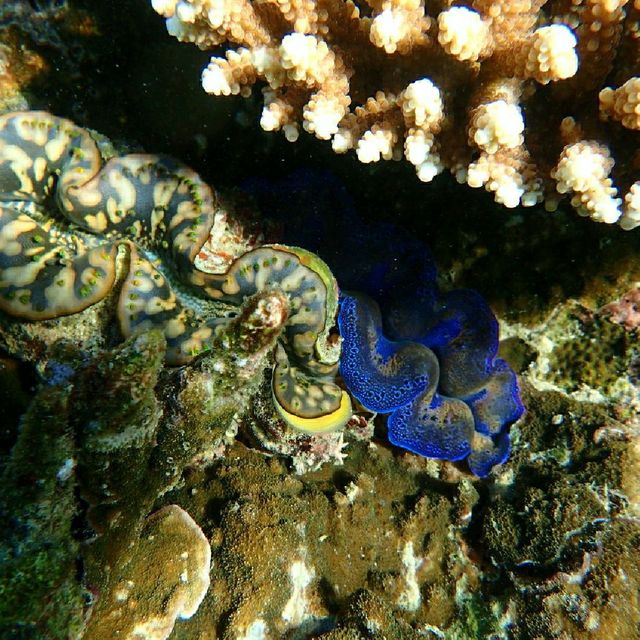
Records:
x=165, y=577
x=506, y=95
x=50, y=269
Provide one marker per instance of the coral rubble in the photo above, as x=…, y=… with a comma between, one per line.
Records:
x=512, y=96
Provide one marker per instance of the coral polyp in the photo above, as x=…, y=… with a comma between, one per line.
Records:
x=154, y=215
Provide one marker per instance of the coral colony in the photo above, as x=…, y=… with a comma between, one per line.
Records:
x=511, y=96
x=449, y=397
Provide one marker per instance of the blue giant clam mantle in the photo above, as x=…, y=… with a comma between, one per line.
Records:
x=447, y=394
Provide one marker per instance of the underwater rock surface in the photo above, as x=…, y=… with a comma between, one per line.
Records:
x=339, y=537
x=387, y=539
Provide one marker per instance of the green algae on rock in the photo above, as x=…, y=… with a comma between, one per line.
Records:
x=40, y=595
x=564, y=529
x=120, y=446
x=388, y=542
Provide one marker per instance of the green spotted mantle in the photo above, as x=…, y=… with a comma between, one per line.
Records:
x=149, y=206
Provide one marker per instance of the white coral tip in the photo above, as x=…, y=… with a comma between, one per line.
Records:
x=387, y=30
x=186, y=12
x=215, y=81
x=165, y=8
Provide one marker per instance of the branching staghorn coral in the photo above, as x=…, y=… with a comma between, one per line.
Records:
x=512, y=96
x=158, y=218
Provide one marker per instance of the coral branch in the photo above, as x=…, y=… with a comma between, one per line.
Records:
x=456, y=87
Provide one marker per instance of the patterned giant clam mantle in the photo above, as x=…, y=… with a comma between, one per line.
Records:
x=156, y=214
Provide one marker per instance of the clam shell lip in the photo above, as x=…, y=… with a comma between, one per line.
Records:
x=137, y=201
x=320, y=424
